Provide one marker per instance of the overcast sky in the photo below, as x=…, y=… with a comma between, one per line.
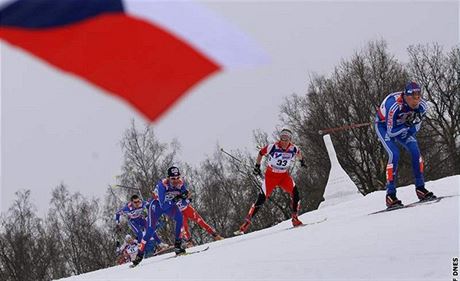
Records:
x=58, y=128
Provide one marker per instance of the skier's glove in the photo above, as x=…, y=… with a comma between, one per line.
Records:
x=184, y=194
x=117, y=228
x=257, y=171
x=181, y=196
x=302, y=163
x=413, y=119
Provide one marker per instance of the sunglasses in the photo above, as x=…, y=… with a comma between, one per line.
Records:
x=285, y=137
x=417, y=92
x=137, y=201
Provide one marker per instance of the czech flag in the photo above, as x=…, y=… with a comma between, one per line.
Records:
x=149, y=53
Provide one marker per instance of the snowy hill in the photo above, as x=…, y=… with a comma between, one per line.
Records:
x=416, y=243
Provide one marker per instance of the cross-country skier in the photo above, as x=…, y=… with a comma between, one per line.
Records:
x=281, y=155
x=127, y=251
x=398, y=120
x=135, y=210
x=170, y=192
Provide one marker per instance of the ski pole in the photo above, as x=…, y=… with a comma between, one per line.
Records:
x=113, y=193
x=256, y=182
x=346, y=127
x=131, y=187
x=236, y=159
x=128, y=187
x=231, y=156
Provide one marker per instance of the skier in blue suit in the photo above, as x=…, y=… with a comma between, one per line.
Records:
x=170, y=191
x=135, y=210
x=398, y=120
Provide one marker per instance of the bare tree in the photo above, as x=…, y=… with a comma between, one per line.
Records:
x=79, y=231
x=145, y=158
x=439, y=73
x=25, y=248
x=351, y=95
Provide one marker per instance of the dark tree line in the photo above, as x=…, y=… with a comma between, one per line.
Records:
x=351, y=95
x=78, y=234
x=70, y=240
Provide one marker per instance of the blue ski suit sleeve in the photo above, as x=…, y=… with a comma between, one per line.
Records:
x=120, y=212
x=421, y=111
x=394, y=125
x=161, y=188
x=131, y=212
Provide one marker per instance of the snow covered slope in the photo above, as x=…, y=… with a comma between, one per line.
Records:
x=416, y=243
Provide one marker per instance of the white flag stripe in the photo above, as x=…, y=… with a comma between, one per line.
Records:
x=201, y=28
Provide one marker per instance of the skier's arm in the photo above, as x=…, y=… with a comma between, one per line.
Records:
x=184, y=192
x=301, y=159
x=392, y=129
x=261, y=154
x=259, y=159
x=161, y=194
x=421, y=114
x=119, y=213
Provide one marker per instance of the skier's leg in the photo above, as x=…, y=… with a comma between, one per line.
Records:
x=288, y=185
x=417, y=168
x=269, y=183
x=195, y=216
x=416, y=159
x=176, y=214
x=392, y=167
x=295, y=200
x=186, y=214
x=252, y=211
x=154, y=213
x=137, y=229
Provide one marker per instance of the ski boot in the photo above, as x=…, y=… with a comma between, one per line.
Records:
x=243, y=227
x=295, y=220
x=423, y=194
x=188, y=243
x=217, y=237
x=393, y=202
x=179, y=248
x=138, y=259
x=162, y=246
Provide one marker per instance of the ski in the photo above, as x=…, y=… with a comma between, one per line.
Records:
x=175, y=256
x=189, y=253
x=410, y=205
x=308, y=223
x=168, y=249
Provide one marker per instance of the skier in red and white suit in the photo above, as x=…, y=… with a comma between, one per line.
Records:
x=280, y=155
x=189, y=213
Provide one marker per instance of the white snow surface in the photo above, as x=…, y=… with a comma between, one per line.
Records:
x=416, y=243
